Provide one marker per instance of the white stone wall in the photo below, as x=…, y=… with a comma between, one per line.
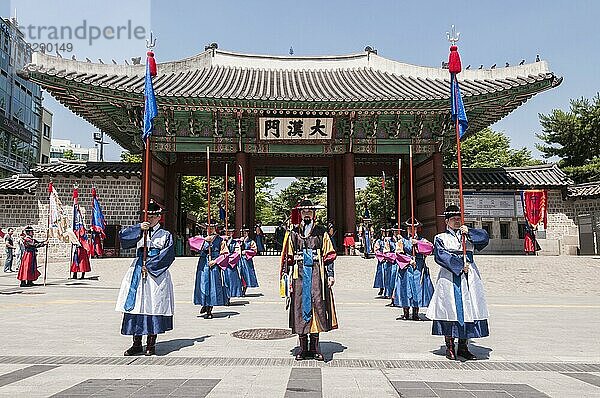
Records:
x=119, y=197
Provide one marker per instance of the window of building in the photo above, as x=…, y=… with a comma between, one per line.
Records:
x=504, y=230
x=521, y=229
x=46, y=131
x=488, y=228
x=45, y=159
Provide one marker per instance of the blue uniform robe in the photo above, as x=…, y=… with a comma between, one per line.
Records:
x=247, y=271
x=413, y=284
x=147, y=304
x=231, y=275
x=209, y=289
x=458, y=307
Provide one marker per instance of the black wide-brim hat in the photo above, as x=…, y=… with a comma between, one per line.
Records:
x=28, y=229
x=409, y=223
x=154, y=208
x=307, y=204
x=451, y=211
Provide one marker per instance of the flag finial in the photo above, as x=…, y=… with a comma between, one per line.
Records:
x=453, y=36
x=152, y=42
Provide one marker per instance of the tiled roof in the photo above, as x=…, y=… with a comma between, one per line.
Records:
x=543, y=176
x=216, y=82
x=18, y=184
x=88, y=168
x=585, y=191
x=350, y=78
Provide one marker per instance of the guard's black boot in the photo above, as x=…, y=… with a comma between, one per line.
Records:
x=136, y=348
x=450, y=353
x=203, y=309
x=405, y=313
x=209, y=314
x=314, y=350
x=23, y=284
x=74, y=276
x=415, y=314
x=303, y=349
x=380, y=293
x=463, y=350
x=82, y=275
x=150, y=345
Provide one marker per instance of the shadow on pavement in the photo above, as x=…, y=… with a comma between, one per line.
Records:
x=253, y=295
x=169, y=346
x=239, y=302
x=221, y=314
x=328, y=348
x=479, y=351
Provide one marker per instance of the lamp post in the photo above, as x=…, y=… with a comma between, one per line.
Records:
x=99, y=139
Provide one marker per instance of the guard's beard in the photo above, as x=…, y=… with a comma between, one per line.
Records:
x=307, y=221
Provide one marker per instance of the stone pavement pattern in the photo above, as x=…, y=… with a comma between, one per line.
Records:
x=63, y=339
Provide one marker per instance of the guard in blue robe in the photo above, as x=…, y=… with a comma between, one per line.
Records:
x=458, y=307
x=414, y=287
x=231, y=273
x=378, y=282
x=368, y=242
x=146, y=295
x=246, y=264
x=209, y=290
x=390, y=268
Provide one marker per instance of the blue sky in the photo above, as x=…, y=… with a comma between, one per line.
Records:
x=492, y=32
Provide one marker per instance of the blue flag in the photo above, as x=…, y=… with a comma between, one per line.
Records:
x=457, y=107
x=150, y=108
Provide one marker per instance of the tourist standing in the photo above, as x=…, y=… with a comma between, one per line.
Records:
x=9, y=244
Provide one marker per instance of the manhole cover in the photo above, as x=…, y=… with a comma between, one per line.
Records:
x=263, y=334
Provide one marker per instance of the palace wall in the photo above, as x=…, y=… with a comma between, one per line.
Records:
x=119, y=198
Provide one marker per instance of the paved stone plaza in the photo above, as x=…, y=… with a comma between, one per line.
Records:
x=63, y=339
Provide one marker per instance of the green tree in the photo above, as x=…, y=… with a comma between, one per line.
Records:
x=128, y=157
x=193, y=197
x=69, y=155
x=574, y=137
x=263, y=198
x=380, y=206
x=313, y=188
x=489, y=148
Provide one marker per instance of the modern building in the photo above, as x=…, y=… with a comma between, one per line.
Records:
x=20, y=104
x=46, y=140
x=59, y=147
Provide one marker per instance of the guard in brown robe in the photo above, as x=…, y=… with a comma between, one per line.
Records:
x=306, y=279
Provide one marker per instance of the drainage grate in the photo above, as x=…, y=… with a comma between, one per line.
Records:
x=263, y=334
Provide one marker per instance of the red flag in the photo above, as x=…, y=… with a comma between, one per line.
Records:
x=535, y=206
x=1, y=233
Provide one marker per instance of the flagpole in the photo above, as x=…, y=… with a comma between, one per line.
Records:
x=384, y=204
x=73, y=229
x=399, y=191
x=208, y=189
x=226, y=198
x=241, y=184
x=455, y=67
x=150, y=112
x=412, y=197
x=147, y=161
x=47, y=234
